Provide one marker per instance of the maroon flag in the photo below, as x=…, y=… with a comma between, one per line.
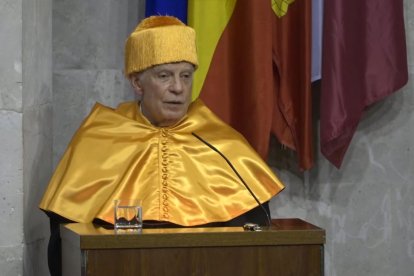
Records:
x=364, y=60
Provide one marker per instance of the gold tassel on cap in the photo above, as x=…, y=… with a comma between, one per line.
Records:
x=158, y=40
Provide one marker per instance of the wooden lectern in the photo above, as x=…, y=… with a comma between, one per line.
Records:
x=288, y=247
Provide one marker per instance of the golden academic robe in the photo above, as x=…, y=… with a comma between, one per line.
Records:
x=117, y=153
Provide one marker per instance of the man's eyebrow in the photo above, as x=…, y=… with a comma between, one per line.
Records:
x=185, y=70
x=159, y=70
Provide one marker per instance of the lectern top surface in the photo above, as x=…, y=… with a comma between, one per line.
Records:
x=282, y=232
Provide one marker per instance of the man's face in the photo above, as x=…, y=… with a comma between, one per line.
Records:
x=165, y=92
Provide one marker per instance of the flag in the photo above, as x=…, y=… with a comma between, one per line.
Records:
x=255, y=70
x=364, y=60
x=209, y=19
x=280, y=7
x=177, y=8
x=317, y=23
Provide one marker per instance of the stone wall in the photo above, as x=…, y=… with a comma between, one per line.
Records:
x=88, y=41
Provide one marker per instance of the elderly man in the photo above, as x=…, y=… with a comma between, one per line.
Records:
x=164, y=149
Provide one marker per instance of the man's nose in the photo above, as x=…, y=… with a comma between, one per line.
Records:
x=177, y=85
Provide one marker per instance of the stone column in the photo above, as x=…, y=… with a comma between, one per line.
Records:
x=11, y=138
x=25, y=140
x=36, y=129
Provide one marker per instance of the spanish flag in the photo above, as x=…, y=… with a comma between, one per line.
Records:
x=254, y=71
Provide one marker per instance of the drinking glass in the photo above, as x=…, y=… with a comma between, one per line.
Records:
x=128, y=215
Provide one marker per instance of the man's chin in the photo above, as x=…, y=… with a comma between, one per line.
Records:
x=172, y=119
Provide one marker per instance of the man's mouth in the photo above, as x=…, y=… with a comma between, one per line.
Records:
x=173, y=102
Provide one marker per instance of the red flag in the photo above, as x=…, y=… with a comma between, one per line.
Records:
x=259, y=76
x=364, y=60
x=292, y=119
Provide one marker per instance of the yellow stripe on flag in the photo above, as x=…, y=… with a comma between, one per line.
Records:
x=209, y=18
x=280, y=7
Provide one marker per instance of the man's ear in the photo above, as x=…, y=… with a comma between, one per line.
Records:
x=136, y=84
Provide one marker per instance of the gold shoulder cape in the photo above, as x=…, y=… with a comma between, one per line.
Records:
x=119, y=154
